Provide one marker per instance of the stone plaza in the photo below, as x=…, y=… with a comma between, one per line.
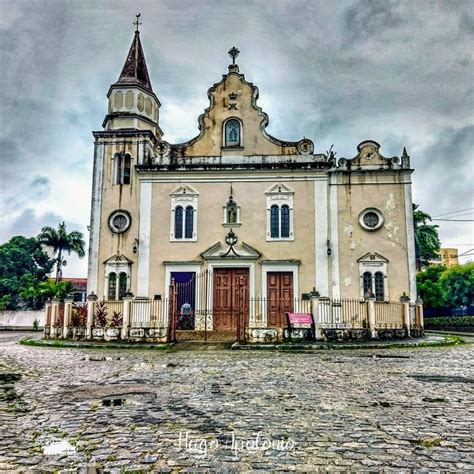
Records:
x=212, y=409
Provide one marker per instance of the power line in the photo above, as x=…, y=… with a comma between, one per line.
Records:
x=467, y=213
x=464, y=254
x=454, y=220
x=454, y=212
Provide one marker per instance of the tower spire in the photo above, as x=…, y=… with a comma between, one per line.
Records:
x=135, y=70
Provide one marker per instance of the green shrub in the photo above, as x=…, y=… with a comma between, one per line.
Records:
x=466, y=321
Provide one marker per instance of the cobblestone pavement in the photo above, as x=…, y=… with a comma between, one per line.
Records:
x=390, y=410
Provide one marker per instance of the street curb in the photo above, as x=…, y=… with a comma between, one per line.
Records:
x=433, y=341
x=64, y=344
x=440, y=341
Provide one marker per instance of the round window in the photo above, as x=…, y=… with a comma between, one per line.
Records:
x=119, y=221
x=371, y=219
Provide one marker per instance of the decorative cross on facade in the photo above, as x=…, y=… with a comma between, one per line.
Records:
x=233, y=53
x=231, y=239
x=137, y=23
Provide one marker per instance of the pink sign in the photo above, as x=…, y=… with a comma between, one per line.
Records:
x=300, y=320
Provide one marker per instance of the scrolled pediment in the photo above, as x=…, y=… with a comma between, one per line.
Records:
x=280, y=189
x=184, y=191
x=219, y=251
x=118, y=259
x=372, y=257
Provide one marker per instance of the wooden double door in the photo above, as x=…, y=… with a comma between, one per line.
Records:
x=231, y=298
x=279, y=297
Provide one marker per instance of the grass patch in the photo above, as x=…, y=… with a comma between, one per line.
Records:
x=428, y=442
x=54, y=343
x=449, y=340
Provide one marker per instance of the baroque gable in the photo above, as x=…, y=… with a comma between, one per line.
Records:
x=369, y=158
x=234, y=98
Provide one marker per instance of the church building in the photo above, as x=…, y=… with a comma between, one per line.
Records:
x=270, y=219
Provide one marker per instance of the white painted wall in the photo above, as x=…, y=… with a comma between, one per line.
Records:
x=21, y=319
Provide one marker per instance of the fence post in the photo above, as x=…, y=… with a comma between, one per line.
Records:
x=54, y=316
x=91, y=300
x=47, y=319
x=419, y=312
x=371, y=312
x=127, y=312
x=314, y=295
x=67, y=314
x=405, y=301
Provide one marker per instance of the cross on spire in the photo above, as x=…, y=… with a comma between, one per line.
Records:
x=137, y=23
x=233, y=53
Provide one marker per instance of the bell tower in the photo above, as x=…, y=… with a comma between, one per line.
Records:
x=129, y=137
x=132, y=102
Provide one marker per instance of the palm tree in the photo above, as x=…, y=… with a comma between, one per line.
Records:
x=61, y=241
x=427, y=241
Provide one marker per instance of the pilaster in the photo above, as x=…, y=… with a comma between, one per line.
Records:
x=127, y=312
x=371, y=312
x=68, y=301
x=91, y=302
x=405, y=300
x=143, y=274
x=315, y=313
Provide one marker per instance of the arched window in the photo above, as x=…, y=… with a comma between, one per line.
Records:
x=188, y=230
x=285, y=221
x=232, y=133
x=178, y=222
x=122, y=285
x=280, y=213
x=126, y=169
x=184, y=214
x=379, y=287
x=367, y=282
x=112, y=285
x=122, y=168
x=374, y=274
x=275, y=221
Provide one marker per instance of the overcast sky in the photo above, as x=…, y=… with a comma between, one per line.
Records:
x=400, y=73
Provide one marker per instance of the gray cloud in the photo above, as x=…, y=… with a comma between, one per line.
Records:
x=29, y=223
x=338, y=72
x=367, y=18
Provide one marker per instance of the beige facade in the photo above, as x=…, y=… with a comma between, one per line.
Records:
x=301, y=219
x=448, y=257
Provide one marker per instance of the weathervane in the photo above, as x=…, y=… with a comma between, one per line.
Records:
x=137, y=23
x=233, y=53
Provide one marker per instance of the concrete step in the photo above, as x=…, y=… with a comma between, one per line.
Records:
x=211, y=336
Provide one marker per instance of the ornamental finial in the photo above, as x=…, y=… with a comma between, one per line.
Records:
x=136, y=22
x=233, y=53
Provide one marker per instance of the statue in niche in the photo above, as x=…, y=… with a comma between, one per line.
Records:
x=231, y=213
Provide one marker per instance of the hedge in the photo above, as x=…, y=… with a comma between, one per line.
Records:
x=467, y=321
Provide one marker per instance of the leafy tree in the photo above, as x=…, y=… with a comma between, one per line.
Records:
x=429, y=287
x=61, y=241
x=50, y=289
x=22, y=262
x=458, y=285
x=427, y=242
